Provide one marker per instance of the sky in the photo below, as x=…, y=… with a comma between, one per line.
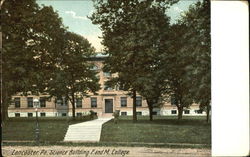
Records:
x=74, y=15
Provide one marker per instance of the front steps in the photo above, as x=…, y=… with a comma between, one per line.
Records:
x=86, y=131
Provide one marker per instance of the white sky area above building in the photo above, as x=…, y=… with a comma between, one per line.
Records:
x=74, y=16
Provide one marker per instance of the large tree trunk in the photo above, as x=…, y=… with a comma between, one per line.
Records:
x=180, y=112
x=134, y=106
x=208, y=110
x=150, y=113
x=150, y=108
x=73, y=107
x=4, y=106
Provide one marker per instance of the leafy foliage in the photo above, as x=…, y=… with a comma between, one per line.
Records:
x=31, y=37
x=188, y=65
x=132, y=34
x=197, y=21
x=73, y=76
x=38, y=51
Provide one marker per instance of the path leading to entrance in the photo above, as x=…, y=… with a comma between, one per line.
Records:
x=86, y=131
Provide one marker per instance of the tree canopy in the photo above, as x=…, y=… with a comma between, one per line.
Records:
x=132, y=34
x=73, y=78
x=34, y=43
x=30, y=36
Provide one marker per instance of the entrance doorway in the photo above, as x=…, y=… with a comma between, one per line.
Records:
x=108, y=105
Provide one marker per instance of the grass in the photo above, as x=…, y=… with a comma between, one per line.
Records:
x=51, y=129
x=163, y=129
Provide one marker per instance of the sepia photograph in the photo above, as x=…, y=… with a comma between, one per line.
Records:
x=95, y=78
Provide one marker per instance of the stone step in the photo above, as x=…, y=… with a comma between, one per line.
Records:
x=85, y=131
x=83, y=135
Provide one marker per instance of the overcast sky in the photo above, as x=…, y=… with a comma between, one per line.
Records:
x=74, y=15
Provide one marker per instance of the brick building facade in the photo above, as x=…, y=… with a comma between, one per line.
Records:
x=105, y=103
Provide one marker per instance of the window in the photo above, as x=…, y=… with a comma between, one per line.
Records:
x=64, y=114
x=17, y=102
x=173, y=101
x=107, y=87
x=154, y=113
x=106, y=74
x=138, y=113
x=97, y=76
x=173, y=112
x=123, y=113
x=30, y=101
x=94, y=67
x=30, y=114
x=186, y=111
x=138, y=101
x=79, y=114
x=198, y=111
x=93, y=102
x=42, y=114
x=42, y=102
x=79, y=103
x=61, y=101
x=119, y=87
x=123, y=101
x=17, y=114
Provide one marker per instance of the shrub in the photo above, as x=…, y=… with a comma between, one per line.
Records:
x=93, y=114
x=116, y=115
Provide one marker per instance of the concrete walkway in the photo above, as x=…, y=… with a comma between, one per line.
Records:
x=89, y=131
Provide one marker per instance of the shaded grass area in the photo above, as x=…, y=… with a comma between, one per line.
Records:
x=163, y=129
x=51, y=129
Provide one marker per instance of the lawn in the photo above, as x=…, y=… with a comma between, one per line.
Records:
x=51, y=129
x=163, y=129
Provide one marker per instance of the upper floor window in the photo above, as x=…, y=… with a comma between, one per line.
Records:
x=106, y=74
x=42, y=102
x=173, y=101
x=123, y=101
x=107, y=87
x=93, y=102
x=61, y=101
x=17, y=102
x=30, y=101
x=78, y=102
x=94, y=67
x=138, y=101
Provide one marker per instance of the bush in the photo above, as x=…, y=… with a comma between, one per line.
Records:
x=93, y=114
x=116, y=115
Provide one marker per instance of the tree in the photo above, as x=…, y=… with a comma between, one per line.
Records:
x=31, y=36
x=73, y=77
x=188, y=59
x=153, y=89
x=175, y=60
x=197, y=20
x=131, y=32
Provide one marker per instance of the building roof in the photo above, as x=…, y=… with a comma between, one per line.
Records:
x=98, y=56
